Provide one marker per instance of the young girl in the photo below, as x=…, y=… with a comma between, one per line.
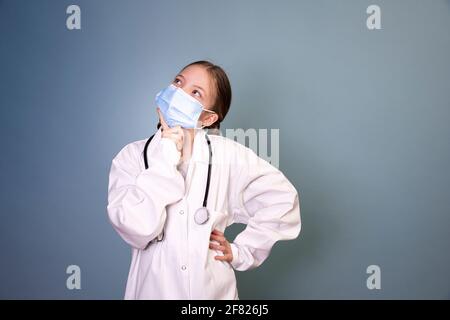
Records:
x=171, y=198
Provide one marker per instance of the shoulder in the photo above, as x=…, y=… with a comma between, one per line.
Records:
x=222, y=143
x=130, y=153
x=233, y=150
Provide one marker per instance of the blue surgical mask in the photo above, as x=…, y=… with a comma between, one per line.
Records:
x=179, y=108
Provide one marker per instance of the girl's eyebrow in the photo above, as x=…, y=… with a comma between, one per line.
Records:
x=195, y=86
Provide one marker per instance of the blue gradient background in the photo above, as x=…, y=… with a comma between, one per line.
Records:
x=364, y=135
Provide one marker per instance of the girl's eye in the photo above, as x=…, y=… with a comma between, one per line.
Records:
x=176, y=81
x=197, y=92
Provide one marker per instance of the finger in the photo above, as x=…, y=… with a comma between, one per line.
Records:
x=218, y=238
x=172, y=137
x=172, y=130
x=216, y=231
x=223, y=258
x=179, y=146
x=180, y=131
x=177, y=131
x=161, y=120
x=217, y=247
x=180, y=134
x=173, y=133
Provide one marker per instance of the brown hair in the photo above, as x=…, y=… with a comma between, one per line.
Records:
x=223, y=90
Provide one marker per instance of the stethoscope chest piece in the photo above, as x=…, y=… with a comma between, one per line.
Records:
x=201, y=215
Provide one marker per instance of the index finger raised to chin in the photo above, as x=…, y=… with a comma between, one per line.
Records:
x=161, y=120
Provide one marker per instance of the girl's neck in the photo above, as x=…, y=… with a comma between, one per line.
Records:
x=189, y=135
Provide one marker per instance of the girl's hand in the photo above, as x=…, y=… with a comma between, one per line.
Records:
x=223, y=246
x=176, y=134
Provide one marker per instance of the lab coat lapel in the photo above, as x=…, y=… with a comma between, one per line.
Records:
x=198, y=170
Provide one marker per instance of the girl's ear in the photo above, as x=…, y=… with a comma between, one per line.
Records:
x=210, y=119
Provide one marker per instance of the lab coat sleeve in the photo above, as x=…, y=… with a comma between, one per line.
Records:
x=269, y=205
x=137, y=198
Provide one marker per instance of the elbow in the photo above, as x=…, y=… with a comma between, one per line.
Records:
x=295, y=220
x=136, y=232
x=297, y=216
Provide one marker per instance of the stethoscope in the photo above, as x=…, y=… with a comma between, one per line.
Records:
x=201, y=216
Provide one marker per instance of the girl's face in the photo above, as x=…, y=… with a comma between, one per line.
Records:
x=196, y=81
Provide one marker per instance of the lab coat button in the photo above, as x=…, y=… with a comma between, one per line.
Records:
x=183, y=267
x=181, y=212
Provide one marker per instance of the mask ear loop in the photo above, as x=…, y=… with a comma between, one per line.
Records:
x=206, y=111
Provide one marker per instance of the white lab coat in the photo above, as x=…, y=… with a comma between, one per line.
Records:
x=243, y=189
